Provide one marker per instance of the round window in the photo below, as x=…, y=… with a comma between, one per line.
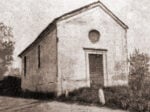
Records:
x=94, y=36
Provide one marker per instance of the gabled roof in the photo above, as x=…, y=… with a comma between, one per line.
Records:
x=73, y=13
x=90, y=6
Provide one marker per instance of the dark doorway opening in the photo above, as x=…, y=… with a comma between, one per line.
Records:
x=96, y=70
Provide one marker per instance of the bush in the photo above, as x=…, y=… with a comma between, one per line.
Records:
x=139, y=70
x=146, y=91
x=10, y=86
x=124, y=98
x=117, y=97
x=83, y=95
x=139, y=105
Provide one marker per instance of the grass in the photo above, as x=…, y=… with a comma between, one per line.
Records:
x=82, y=96
x=116, y=97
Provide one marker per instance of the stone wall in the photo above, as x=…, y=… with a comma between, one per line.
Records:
x=73, y=38
x=44, y=78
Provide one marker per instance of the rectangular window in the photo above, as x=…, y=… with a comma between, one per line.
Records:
x=25, y=65
x=39, y=56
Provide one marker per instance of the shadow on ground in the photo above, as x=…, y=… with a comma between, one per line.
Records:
x=11, y=86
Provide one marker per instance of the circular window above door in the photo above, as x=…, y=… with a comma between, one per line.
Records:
x=94, y=36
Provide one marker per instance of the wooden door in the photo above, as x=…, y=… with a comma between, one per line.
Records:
x=96, y=70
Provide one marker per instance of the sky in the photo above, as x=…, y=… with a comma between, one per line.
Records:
x=29, y=17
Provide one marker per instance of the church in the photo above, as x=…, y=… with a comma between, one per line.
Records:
x=83, y=48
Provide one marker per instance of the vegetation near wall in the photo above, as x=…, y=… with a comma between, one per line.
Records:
x=6, y=48
x=134, y=98
x=139, y=70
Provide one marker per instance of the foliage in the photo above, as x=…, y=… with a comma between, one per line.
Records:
x=117, y=97
x=123, y=98
x=6, y=48
x=82, y=95
x=135, y=97
x=139, y=69
x=10, y=86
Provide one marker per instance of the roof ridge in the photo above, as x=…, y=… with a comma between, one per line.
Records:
x=71, y=13
x=96, y=3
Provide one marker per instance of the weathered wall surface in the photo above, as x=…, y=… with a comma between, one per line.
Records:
x=43, y=78
x=73, y=37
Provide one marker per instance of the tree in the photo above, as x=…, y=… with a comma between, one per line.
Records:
x=139, y=69
x=6, y=48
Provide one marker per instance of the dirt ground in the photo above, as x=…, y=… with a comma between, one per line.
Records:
x=9, y=104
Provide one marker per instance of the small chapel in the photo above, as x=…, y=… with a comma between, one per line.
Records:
x=83, y=48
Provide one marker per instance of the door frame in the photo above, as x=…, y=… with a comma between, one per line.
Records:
x=102, y=52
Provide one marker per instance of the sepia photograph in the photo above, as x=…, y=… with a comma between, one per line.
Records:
x=74, y=56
